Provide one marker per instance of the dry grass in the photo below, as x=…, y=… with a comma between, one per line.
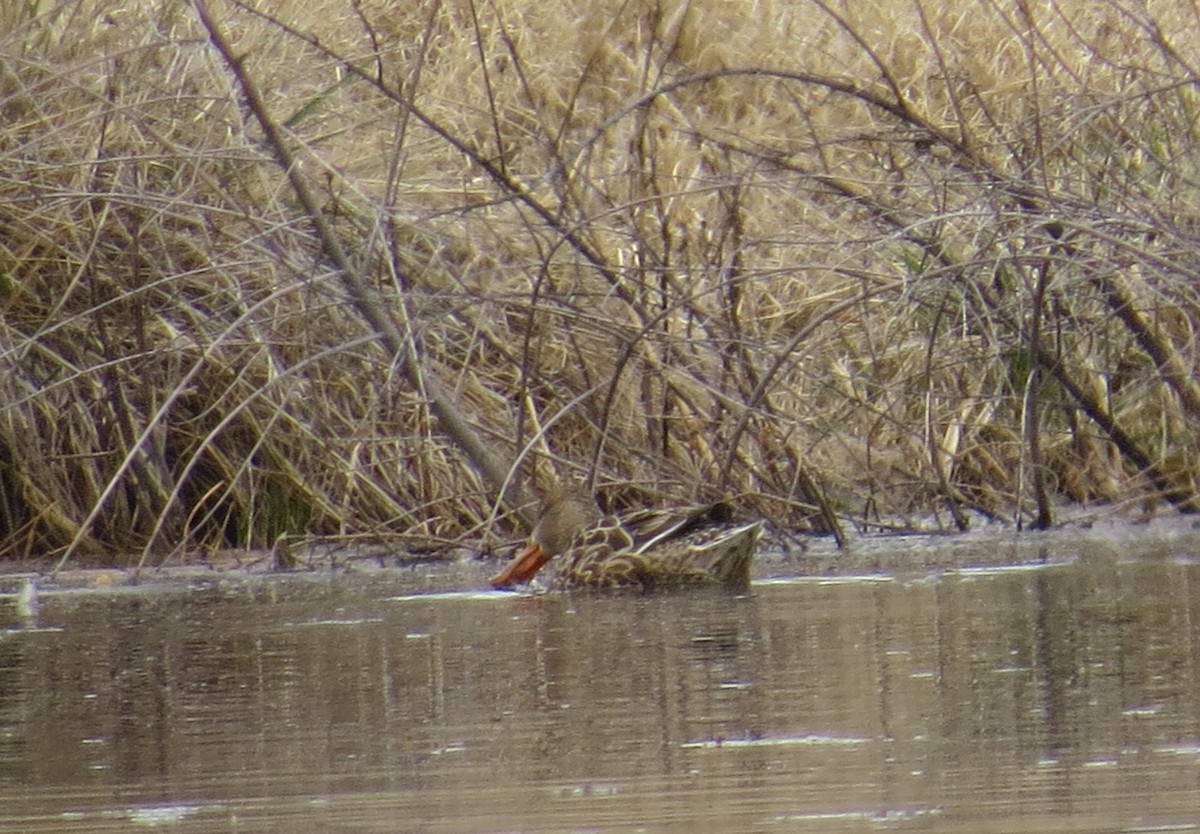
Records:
x=867, y=263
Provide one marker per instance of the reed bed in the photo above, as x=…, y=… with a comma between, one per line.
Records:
x=878, y=266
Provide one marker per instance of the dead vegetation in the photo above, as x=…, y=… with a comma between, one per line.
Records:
x=866, y=264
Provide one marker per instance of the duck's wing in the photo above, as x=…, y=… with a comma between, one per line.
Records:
x=649, y=528
x=717, y=555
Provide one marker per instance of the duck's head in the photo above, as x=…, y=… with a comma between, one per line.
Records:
x=565, y=513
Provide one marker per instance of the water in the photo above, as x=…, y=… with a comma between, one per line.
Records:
x=905, y=691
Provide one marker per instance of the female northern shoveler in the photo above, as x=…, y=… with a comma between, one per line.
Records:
x=645, y=551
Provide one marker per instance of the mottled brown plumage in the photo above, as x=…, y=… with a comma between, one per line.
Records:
x=647, y=550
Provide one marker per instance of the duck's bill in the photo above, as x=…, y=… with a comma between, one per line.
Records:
x=522, y=568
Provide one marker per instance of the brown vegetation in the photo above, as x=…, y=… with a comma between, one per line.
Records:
x=863, y=263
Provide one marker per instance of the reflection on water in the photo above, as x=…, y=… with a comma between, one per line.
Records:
x=1062, y=697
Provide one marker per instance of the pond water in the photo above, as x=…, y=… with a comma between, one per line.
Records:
x=986, y=684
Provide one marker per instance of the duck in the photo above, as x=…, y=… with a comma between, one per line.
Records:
x=645, y=551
